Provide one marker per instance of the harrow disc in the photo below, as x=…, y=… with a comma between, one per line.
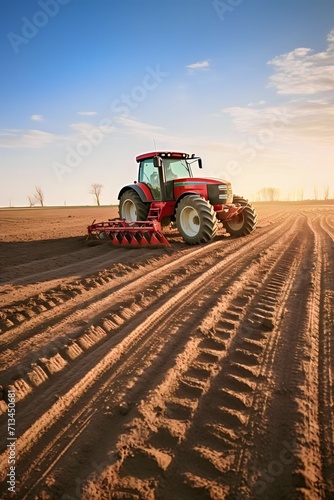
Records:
x=122, y=232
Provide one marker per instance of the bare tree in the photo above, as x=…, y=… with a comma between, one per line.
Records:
x=269, y=194
x=31, y=200
x=39, y=195
x=301, y=194
x=315, y=192
x=274, y=194
x=96, y=190
x=326, y=192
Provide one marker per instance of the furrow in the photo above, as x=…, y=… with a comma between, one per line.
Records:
x=137, y=341
x=170, y=411
x=84, y=303
x=49, y=344
x=325, y=250
x=235, y=404
x=289, y=460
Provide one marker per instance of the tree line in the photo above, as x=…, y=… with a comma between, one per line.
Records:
x=38, y=196
x=275, y=194
x=263, y=194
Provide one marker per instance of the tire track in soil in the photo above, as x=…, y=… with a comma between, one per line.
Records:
x=14, y=313
x=39, y=309
x=288, y=464
x=325, y=252
x=34, y=375
x=65, y=265
x=48, y=343
x=18, y=313
x=71, y=396
x=85, y=265
x=82, y=294
x=223, y=370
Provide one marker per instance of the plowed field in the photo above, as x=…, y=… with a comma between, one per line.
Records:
x=168, y=373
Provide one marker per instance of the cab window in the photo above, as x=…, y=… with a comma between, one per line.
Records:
x=176, y=169
x=148, y=174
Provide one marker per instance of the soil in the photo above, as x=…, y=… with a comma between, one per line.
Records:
x=182, y=372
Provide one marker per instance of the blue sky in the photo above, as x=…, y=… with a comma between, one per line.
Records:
x=86, y=85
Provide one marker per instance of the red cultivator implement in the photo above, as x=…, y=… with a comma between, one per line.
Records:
x=167, y=192
x=122, y=232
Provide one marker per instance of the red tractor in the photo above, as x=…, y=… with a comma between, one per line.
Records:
x=167, y=192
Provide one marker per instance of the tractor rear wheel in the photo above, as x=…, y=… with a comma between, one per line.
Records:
x=196, y=220
x=131, y=208
x=245, y=222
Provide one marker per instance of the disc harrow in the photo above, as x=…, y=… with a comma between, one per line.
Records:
x=122, y=232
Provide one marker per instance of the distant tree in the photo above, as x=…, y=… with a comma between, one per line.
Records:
x=39, y=195
x=96, y=190
x=31, y=200
x=274, y=194
x=315, y=192
x=297, y=194
x=269, y=194
x=326, y=192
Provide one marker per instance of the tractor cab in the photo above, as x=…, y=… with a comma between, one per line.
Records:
x=159, y=171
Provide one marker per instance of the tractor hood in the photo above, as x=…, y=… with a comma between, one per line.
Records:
x=201, y=180
x=215, y=190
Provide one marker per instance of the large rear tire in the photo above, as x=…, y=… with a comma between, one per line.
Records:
x=196, y=220
x=244, y=223
x=131, y=208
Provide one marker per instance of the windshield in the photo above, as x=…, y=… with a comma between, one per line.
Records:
x=176, y=169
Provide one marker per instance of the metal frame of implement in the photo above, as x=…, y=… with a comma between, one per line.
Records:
x=122, y=232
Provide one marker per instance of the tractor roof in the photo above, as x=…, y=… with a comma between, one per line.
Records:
x=167, y=154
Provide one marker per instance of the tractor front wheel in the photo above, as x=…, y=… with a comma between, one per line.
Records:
x=131, y=208
x=245, y=222
x=196, y=220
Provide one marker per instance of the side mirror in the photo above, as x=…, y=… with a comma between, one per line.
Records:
x=157, y=162
x=199, y=162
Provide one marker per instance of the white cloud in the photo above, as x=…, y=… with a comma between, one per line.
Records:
x=87, y=113
x=198, y=66
x=35, y=139
x=130, y=125
x=85, y=129
x=81, y=126
x=298, y=120
x=313, y=120
x=307, y=119
x=37, y=118
x=260, y=103
x=250, y=119
x=303, y=72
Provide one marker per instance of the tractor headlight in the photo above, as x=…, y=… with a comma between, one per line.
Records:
x=217, y=194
